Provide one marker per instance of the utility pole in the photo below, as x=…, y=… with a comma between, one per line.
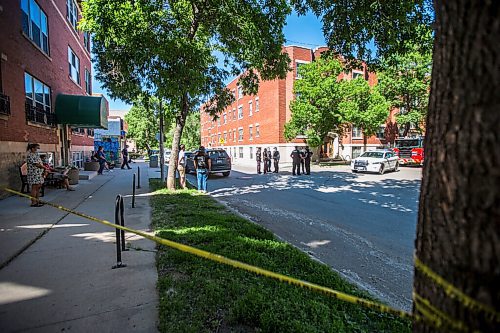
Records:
x=162, y=150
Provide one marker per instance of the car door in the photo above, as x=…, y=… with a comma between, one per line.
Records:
x=392, y=159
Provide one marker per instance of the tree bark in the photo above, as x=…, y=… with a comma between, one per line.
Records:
x=180, y=121
x=458, y=232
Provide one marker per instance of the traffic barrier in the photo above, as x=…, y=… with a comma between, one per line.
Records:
x=120, y=234
x=429, y=313
x=138, y=177
x=133, y=192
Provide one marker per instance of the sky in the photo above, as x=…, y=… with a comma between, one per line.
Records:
x=299, y=30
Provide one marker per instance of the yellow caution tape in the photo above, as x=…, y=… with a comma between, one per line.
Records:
x=455, y=293
x=428, y=317
x=436, y=316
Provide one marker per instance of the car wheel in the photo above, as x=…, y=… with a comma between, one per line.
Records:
x=225, y=174
x=382, y=169
x=354, y=171
x=396, y=168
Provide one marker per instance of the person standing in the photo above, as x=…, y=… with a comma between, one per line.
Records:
x=276, y=158
x=295, y=155
x=34, y=173
x=203, y=165
x=266, y=160
x=269, y=159
x=303, y=160
x=125, y=158
x=307, y=160
x=101, y=158
x=258, y=157
x=181, y=165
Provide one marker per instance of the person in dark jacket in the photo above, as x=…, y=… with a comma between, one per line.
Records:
x=125, y=158
x=203, y=165
x=266, y=160
x=258, y=158
x=269, y=159
x=295, y=155
x=307, y=160
x=276, y=158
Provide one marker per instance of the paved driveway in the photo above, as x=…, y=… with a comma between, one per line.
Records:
x=362, y=225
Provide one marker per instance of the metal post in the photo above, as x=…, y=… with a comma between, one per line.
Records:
x=138, y=177
x=133, y=192
x=122, y=223
x=119, y=263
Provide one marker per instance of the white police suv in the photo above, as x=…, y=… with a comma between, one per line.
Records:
x=376, y=161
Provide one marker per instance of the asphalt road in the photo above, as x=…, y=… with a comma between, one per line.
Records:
x=362, y=225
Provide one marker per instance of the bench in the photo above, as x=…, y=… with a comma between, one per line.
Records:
x=49, y=181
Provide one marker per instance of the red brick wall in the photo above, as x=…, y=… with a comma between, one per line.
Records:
x=24, y=56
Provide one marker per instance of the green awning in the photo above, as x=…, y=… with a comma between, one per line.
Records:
x=82, y=111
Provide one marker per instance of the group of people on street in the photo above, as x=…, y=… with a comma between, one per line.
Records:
x=100, y=157
x=300, y=158
x=267, y=156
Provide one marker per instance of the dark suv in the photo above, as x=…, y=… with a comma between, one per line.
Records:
x=221, y=162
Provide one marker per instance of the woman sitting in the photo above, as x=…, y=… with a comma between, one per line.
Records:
x=62, y=176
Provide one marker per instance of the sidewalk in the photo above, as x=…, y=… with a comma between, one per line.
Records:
x=63, y=280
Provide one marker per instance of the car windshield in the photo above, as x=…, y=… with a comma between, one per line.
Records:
x=374, y=154
x=217, y=154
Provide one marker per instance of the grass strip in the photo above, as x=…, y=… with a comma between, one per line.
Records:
x=197, y=295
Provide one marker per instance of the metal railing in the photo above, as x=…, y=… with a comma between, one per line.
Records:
x=4, y=104
x=38, y=115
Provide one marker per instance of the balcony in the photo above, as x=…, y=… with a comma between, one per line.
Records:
x=4, y=104
x=40, y=116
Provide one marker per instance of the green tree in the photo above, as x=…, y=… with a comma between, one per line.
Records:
x=142, y=124
x=315, y=107
x=458, y=231
x=191, y=136
x=405, y=82
x=363, y=106
x=169, y=49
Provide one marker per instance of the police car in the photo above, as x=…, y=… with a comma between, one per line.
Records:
x=378, y=161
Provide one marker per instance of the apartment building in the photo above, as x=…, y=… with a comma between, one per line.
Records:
x=259, y=121
x=45, y=85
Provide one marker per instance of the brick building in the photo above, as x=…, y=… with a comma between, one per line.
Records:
x=259, y=121
x=45, y=85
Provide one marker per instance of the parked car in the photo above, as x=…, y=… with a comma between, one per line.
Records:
x=221, y=162
x=376, y=161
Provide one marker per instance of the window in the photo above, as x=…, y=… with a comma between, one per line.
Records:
x=357, y=74
x=77, y=159
x=240, y=112
x=88, y=79
x=250, y=132
x=257, y=106
x=356, y=132
x=234, y=114
x=250, y=108
x=240, y=134
x=218, y=138
x=251, y=153
x=86, y=40
x=37, y=93
x=225, y=118
x=241, y=152
x=240, y=92
x=225, y=137
x=257, y=130
x=35, y=24
x=90, y=132
x=234, y=135
x=297, y=70
x=74, y=66
x=72, y=11
x=381, y=132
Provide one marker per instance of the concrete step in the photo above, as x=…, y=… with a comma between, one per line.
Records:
x=87, y=175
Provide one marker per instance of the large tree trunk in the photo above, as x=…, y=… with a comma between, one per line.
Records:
x=458, y=233
x=180, y=121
